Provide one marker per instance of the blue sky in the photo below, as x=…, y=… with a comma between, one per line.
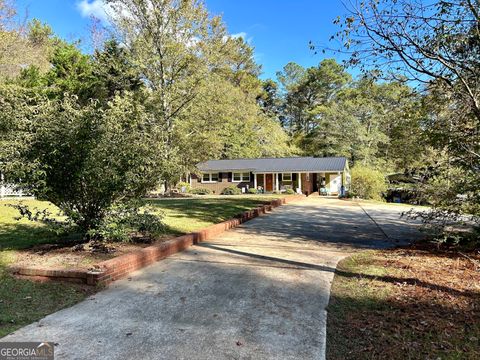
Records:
x=278, y=29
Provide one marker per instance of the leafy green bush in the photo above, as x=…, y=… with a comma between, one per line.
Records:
x=185, y=185
x=127, y=219
x=252, y=191
x=367, y=183
x=289, y=191
x=200, y=191
x=83, y=157
x=231, y=190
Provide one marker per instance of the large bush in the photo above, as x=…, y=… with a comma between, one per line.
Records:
x=367, y=183
x=84, y=158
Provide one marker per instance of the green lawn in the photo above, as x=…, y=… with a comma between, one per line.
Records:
x=23, y=301
x=189, y=214
x=21, y=234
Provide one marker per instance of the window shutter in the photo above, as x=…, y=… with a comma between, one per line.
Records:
x=280, y=177
x=229, y=175
x=219, y=177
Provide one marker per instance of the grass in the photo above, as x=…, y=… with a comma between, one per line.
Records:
x=182, y=216
x=22, y=234
x=405, y=304
x=23, y=302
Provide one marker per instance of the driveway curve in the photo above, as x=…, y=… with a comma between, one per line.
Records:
x=256, y=292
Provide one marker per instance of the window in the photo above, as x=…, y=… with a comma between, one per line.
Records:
x=209, y=177
x=287, y=177
x=239, y=177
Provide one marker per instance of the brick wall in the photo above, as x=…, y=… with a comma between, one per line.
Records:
x=224, y=180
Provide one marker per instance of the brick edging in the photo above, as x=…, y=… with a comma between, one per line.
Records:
x=116, y=268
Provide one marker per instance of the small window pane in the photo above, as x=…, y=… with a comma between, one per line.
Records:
x=206, y=177
x=215, y=177
x=237, y=177
x=246, y=176
x=287, y=177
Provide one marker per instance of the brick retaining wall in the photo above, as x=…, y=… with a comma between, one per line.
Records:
x=119, y=267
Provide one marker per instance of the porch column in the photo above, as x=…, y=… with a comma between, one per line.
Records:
x=276, y=182
x=255, y=181
x=299, y=190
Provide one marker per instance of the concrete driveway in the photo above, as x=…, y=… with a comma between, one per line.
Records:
x=256, y=292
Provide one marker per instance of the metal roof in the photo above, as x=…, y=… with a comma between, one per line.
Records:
x=291, y=164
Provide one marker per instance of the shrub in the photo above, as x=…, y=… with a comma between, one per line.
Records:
x=289, y=191
x=252, y=191
x=183, y=185
x=368, y=183
x=85, y=158
x=200, y=191
x=231, y=190
x=124, y=220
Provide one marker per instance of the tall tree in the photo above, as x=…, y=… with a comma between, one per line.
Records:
x=435, y=41
x=175, y=45
x=179, y=50
x=437, y=44
x=305, y=91
x=21, y=44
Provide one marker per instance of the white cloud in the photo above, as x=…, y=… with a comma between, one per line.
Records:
x=239, y=35
x=95, y=8
x=242, y=35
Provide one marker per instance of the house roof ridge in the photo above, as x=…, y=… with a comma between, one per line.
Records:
x=284, y=157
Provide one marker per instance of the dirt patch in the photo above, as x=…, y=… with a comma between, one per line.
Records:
x=71, y=257
x=406, y=304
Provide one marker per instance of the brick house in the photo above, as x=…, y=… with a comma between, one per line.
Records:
x=329, y=175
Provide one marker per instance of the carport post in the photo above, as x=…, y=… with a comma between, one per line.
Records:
x=255, y=181
x=276, y=182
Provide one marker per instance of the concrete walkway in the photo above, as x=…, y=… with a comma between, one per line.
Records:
x=256, y=292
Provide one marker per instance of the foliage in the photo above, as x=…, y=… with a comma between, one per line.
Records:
x=184, y=185
x=91, y=132
x=289, y=191
x=56, y=223
x=252, y=191
x=22, y=44
x=83, y=158
x=367, y=183
x=307, y=89
x=437, y=45
x=231, y=190
x=426, y=42
x=326, y=113
x=454, y=197
x=224, y=122
x=114, y=71
x=200, y=191
x=175, y=46
x=125, y=219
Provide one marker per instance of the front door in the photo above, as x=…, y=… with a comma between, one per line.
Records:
x=268, y=182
